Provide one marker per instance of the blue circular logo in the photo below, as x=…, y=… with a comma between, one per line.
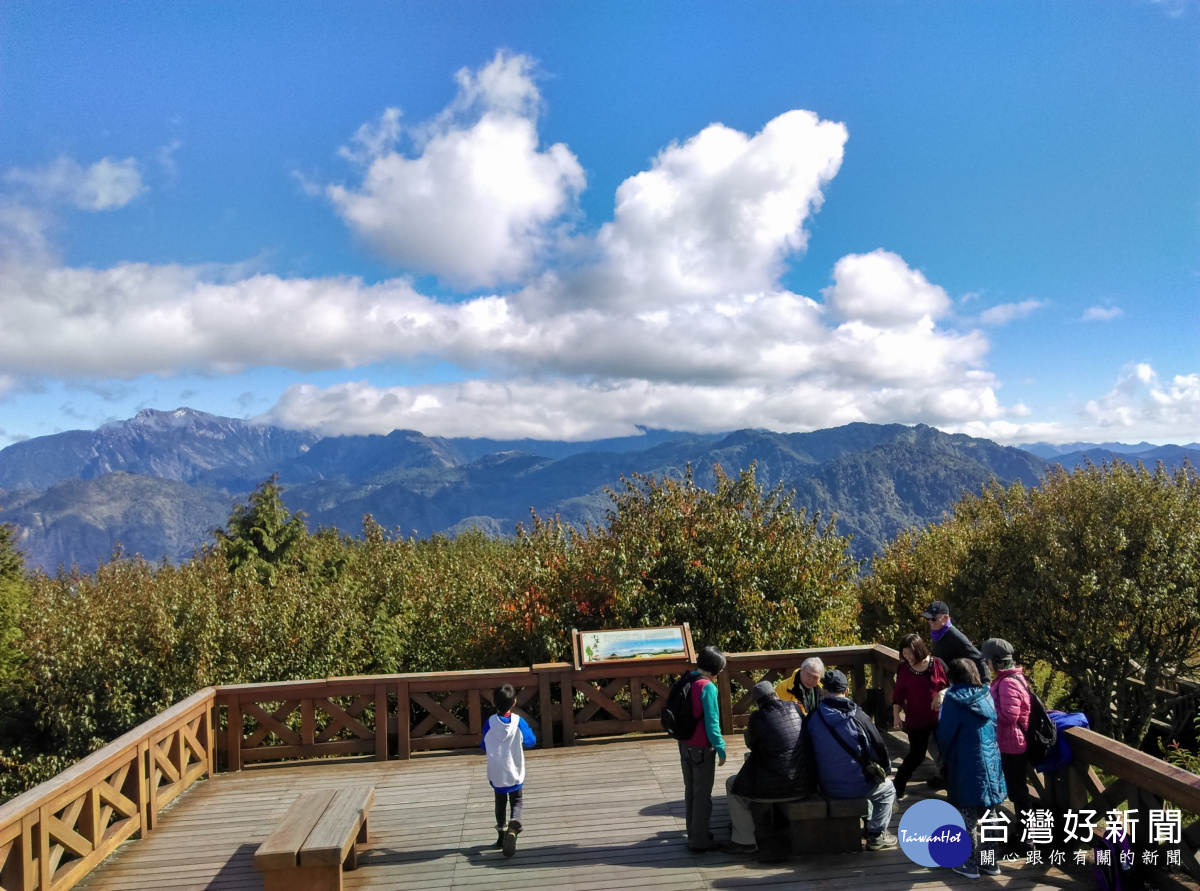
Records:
x=933, y=833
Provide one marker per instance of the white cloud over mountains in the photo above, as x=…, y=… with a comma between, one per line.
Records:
x=672, y=314
x=478, y=205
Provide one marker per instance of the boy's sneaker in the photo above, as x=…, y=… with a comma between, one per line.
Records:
x=499, y=843
x=990, y=870
x=509, y=845
x=881, y=842
x=967, y=869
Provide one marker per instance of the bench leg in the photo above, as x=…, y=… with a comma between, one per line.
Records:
x=309, y=878
x=363, y=832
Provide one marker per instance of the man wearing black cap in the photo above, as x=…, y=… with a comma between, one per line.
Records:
x=852, y=760
x=949, y=643
x=779, y=766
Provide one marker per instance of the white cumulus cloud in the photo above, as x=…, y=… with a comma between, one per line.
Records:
x=880, y=289
x=672, y=314
x=479, y=203
x=1149, y=407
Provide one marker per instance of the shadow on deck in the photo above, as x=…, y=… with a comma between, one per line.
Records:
x=598, y=816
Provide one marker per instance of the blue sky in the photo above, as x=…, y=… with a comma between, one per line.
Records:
x=567, y=220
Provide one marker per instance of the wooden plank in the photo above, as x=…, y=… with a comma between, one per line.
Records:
x=725, y=701
x=281, y=848
x=333, y=835
x=338, y=747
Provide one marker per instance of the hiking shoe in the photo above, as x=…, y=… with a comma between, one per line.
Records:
x=881, y=842
x=499, y=842
x=901, y=790
x=967, y=869
x=732, y=847
x=695, y=850
x=990, y=870
x=510, y=839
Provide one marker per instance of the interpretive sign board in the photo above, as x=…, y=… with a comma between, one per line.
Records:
x=633, y=645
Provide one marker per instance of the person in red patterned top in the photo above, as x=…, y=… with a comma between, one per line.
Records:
x=918, y=682
x=1010, y=693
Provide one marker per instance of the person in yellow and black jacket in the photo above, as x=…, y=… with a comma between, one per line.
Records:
x=804, y=685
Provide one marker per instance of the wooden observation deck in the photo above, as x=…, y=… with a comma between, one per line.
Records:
x=183, y=801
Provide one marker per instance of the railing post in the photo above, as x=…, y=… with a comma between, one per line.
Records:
x=143, y=794
x=566, y=687
x=27, y=867
x=381, y=722
x=403, y=727
x=210, y=746
x=635, y=699
x=725, y=698
x=546, y=706
x=234, y=732
x=45, y=866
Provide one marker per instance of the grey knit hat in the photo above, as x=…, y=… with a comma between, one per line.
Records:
x=762, y=691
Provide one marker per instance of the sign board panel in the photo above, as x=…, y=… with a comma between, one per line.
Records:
x=625, y=645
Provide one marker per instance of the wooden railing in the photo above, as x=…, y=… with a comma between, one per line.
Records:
x=1142, y=782
x=54, y=834
x=396, y=715
x=51, y=836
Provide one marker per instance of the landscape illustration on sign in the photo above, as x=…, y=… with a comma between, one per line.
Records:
x=646, y=643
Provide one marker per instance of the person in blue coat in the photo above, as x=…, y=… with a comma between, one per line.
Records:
x=966, y=736
x=852, y=760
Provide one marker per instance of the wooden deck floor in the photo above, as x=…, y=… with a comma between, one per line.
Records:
x=597, y=816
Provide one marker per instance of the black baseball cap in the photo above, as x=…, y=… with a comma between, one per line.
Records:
x=937, y=608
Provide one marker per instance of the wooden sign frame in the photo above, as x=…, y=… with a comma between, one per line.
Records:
x=584, y=659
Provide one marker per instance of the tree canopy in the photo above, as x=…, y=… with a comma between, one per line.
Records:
x=1097, y=572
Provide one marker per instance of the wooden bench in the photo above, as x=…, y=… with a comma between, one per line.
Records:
x=826, y=826
x=315, y=838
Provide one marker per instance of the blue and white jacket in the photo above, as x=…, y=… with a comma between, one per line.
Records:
x=504, y=739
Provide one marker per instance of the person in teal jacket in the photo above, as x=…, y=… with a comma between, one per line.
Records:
x=966, y=736
x=703, y=752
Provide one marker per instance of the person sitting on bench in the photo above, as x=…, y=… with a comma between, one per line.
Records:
x=852, y=760
x=779, y=766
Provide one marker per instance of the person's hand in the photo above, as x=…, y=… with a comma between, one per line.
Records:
x=720, y=761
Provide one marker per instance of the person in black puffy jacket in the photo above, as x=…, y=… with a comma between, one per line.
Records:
x=779, y=767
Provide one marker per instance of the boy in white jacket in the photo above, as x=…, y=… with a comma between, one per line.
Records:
x=505, y=738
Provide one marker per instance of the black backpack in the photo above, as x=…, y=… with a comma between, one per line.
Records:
x=1042, y=733
x=677, y=717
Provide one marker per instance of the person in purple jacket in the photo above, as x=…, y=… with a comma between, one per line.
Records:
x=505, y=738
x=703, y=752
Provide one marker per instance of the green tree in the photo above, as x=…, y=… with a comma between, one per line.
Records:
x=744, y=567
x=14, y=594
x=262, y=534
x=1096, y=572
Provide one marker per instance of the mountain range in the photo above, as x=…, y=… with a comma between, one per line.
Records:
x=159, y=483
